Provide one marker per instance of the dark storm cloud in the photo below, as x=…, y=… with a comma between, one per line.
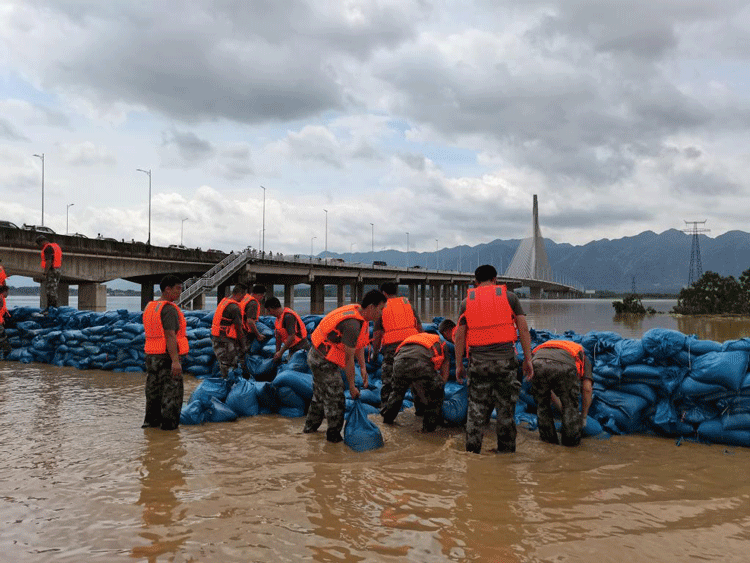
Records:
x=188, y=147
x=704, y=183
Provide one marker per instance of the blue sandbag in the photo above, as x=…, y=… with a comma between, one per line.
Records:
x=456, y=403
x=300, y=383
x=662, y=343
x=698, y=347
x=360, y=433
x=297, y=362
x=666, y=420
x=370, y=396
x=198, y=370
x=725, y=368
x=626, y=410
x=193, y=413
x=291, y=404
x=243, y=399
x=743, y=345
x=210, y=388
x=262, y=369
x=268, y=397
x=219, y=412
x=592, y=428
x=369, y=409
x=712, y=431
x=640, y=389
x=629, y=351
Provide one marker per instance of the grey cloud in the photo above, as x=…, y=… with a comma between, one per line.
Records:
x=236, y=163
x=189, y=147
x=599, y=216
x=9, y=132
x=704, y=182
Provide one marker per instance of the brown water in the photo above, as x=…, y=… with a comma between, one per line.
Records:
x=82, y=482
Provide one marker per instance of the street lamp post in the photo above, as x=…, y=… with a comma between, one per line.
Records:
x=41, y=156
x=326, y=248
x=311, y=247
x=66, y=216
x=407, y=250
x=372, y=225
x=182, y=229
x=263, y=242
x=351, y=249
x=148, y=173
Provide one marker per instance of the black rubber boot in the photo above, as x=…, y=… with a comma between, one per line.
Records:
x=333, y=436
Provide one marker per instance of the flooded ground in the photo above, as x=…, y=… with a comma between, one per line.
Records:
x=83, y=482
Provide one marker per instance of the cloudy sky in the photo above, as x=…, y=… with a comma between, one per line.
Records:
x=439, y=118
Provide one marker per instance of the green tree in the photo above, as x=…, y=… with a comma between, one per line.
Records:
x=713, y=294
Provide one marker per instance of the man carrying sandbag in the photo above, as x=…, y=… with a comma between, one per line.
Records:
x=291, y=332
x=166, y=342
x=341, y=336
x=227, y=335
x=562, y=371
x=399, y=321
x=250, y=306
x=491, y=321
x=421, y=362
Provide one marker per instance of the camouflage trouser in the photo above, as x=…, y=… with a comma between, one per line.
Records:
x=386, y=371
x=550, y=376
x=427, y=387
x=328, y=399
x=227, y=354
x=51, y=281
x=492, y=384
x=4, y=344
x=163, y=393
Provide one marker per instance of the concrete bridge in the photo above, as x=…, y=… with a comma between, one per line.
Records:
x=89, y=263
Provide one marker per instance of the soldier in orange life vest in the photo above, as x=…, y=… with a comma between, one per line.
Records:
x=341, y=336
x=166, y=343
x=562, y=367
x=51, y=264
x=398, y=322
x=291, y=333
x=227, y=334
x=250, y=306
x=489, y=318
x=4, y=314
x=421, y=363
x=3, y=275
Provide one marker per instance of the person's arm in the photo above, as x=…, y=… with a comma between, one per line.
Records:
x=460, y=347
x=49, y=259
x=587, y=391
x=286, y=345
x=349, y=369
x=237, y=321
x=377, y=337
x=445, y=370
x=362, y=366
x=174, y=352
x=525, y=337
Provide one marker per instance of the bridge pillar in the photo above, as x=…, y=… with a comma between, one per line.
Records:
x=340, y=295
x=412, y=292
x=147, y=295
x=92, y=296
x=535, y=292
x=289, y=295
x=317, y=298
x=62, y=294
x=199, y=302
x=222, y=291
x=359, y=292
x=422, y=298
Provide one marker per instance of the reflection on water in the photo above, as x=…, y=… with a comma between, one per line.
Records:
x=83, y=482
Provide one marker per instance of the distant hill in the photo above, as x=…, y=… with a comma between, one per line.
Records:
x=659, y=262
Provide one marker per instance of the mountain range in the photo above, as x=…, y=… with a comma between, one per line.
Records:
x=653, y=263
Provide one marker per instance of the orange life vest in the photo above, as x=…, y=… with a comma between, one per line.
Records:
x=3, y=310
x=335, y=351
x=156, y=342
x=243, y=304
x=283, y=334
x=221, y=325
x=574, y=349
x=3, y=276
x=430, y=341
x=398, y=320
x=489, y=318
x=57, y=257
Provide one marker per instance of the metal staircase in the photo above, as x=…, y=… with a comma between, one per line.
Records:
x=214, y=277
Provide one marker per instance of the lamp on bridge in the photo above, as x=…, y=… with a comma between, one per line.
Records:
x=66, y=216
x=148, y=173
x=182, y=229
x=41, y=156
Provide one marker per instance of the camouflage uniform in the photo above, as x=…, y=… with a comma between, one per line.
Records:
x=562, y=378
x=163, y=393
x=4, y=344
x=492, y=384
x=227, y=352
x=328, y=396
x=51, y=281
x=386, y=370
x=419, y=372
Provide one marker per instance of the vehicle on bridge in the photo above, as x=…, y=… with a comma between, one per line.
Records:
x=379, y=263
x=39, y=229
x=8, y=225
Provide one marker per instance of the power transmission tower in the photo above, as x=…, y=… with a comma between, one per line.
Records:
x=632, y=289
x=696, y=269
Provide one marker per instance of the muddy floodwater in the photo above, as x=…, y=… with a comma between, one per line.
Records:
x=81, y=481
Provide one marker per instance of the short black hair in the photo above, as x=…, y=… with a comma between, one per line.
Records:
x=484, y=273
x=273, y=303
x=40, y=239
x=170, y=280
x=259, y=288
x=373, y=297
x=239, y=288
x=389, y=288
x=446, y=324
